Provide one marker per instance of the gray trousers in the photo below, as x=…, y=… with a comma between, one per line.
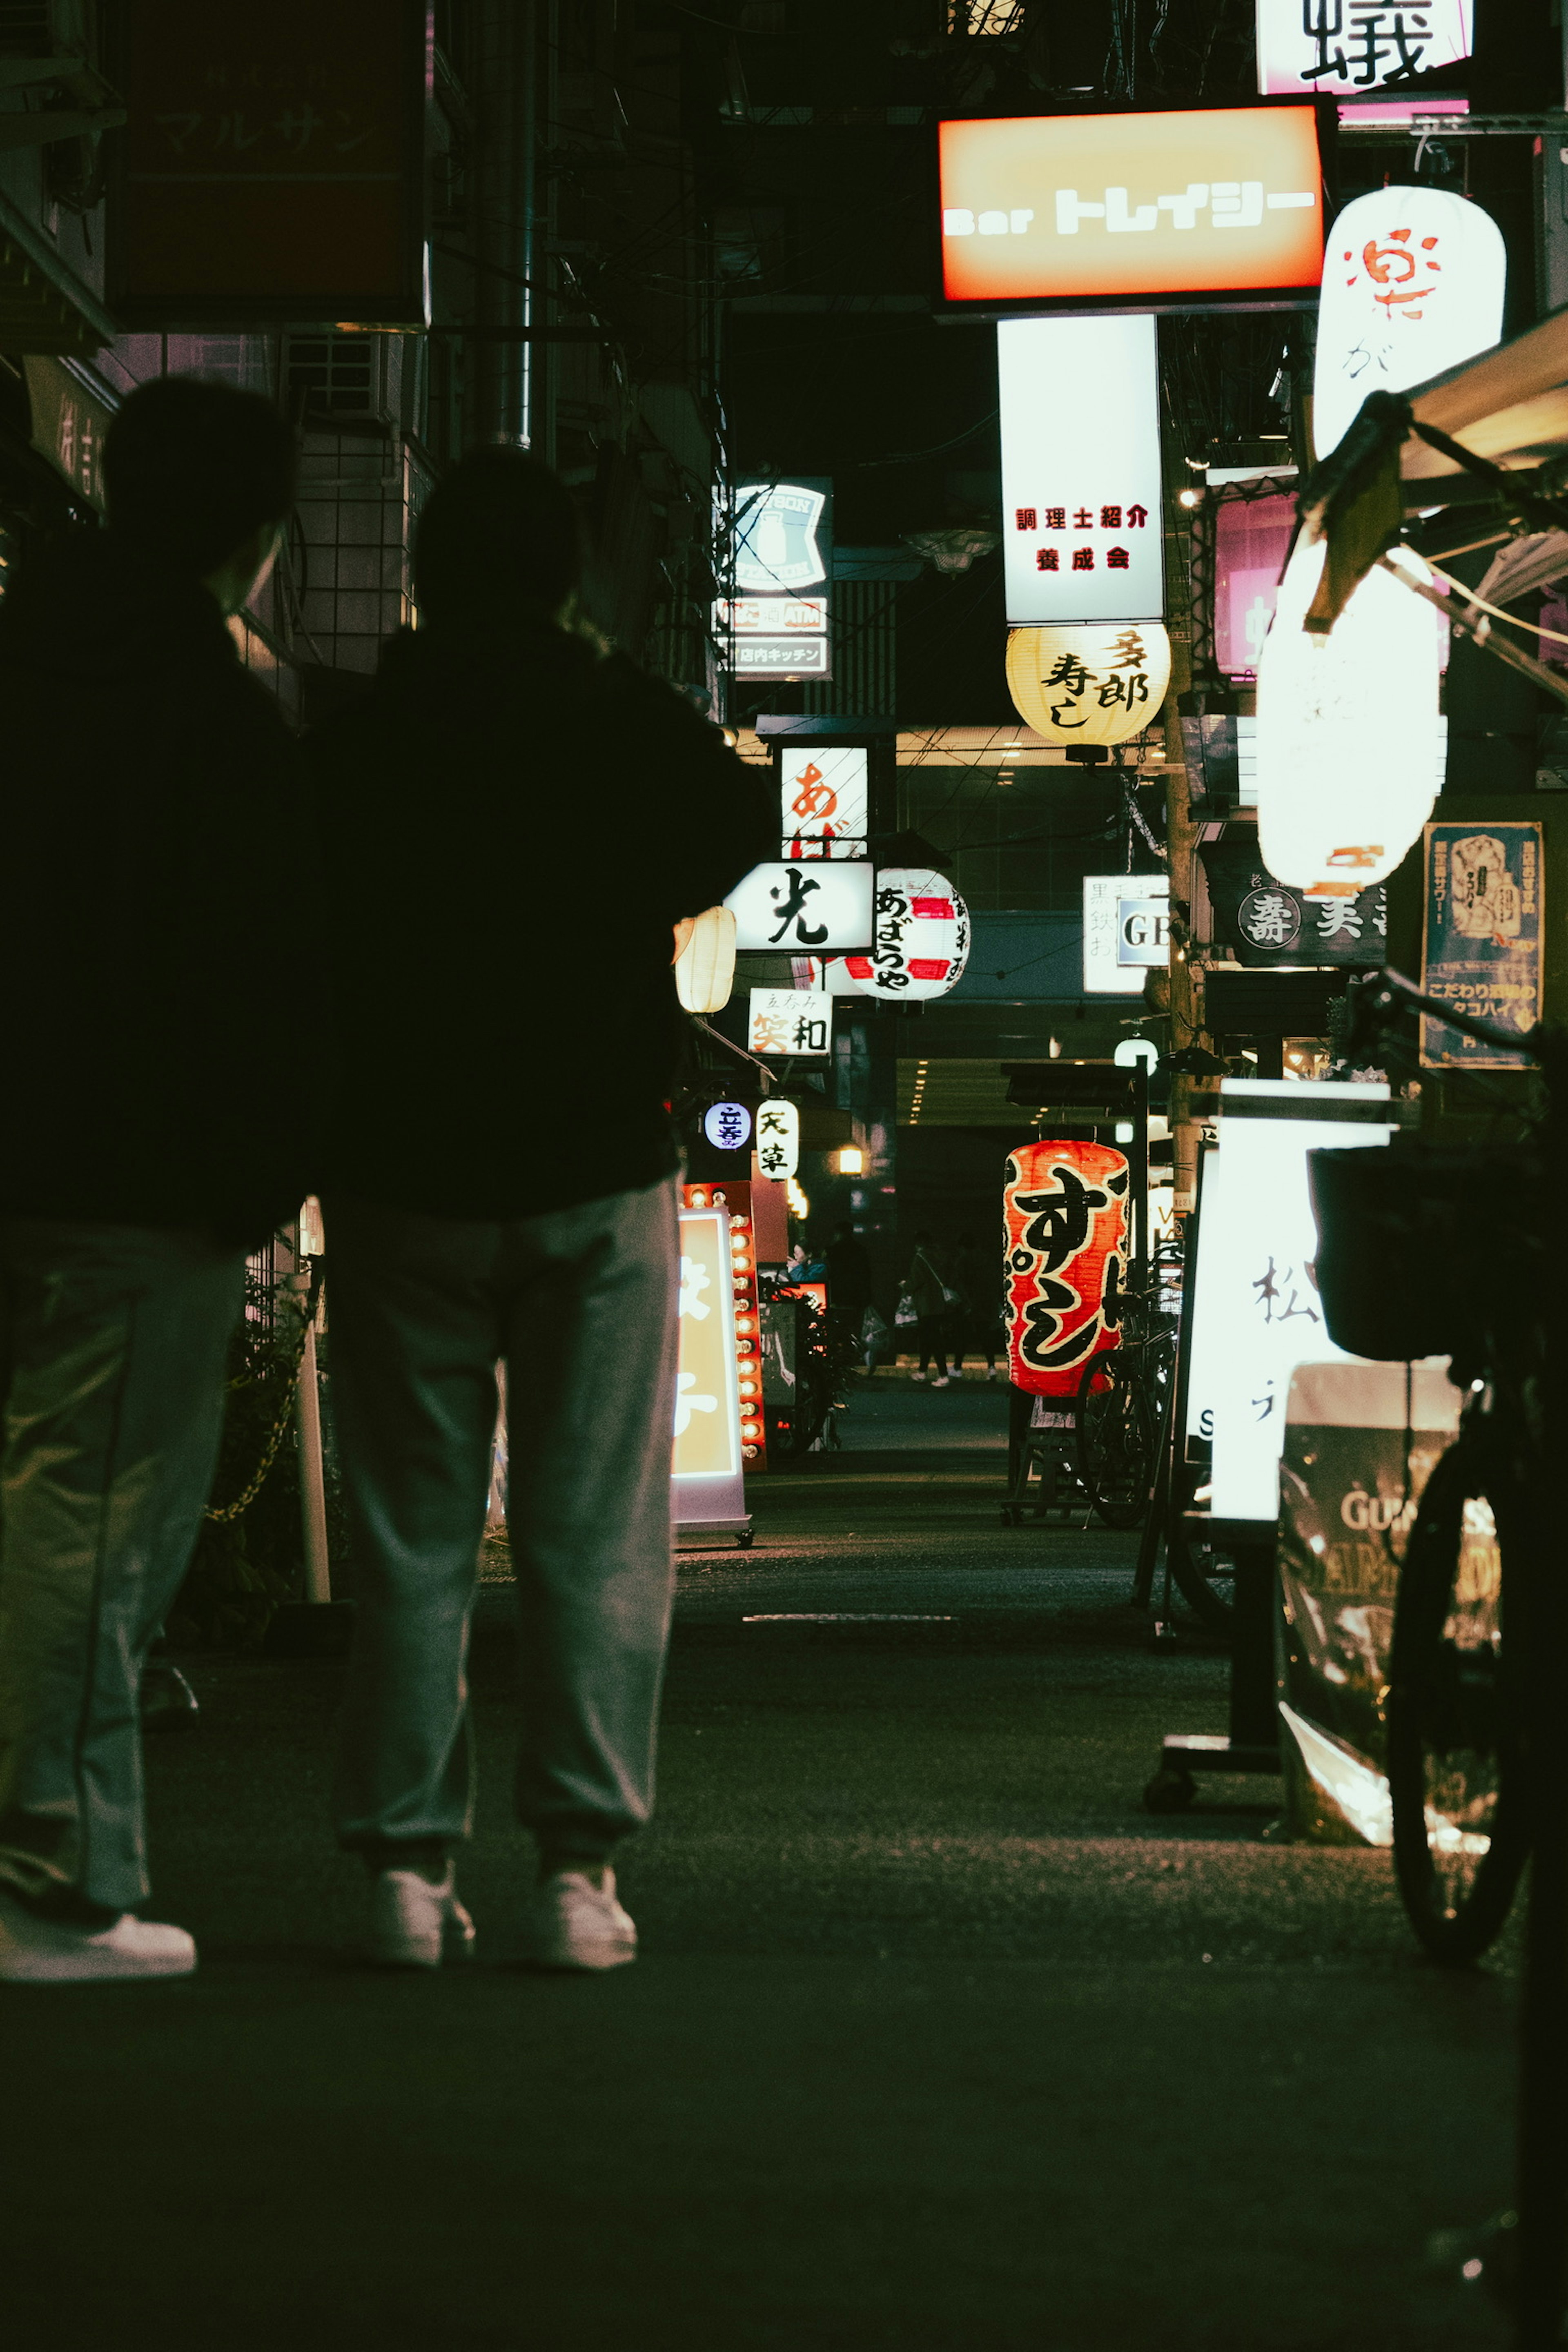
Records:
x=113, y=1353
x=581, y=1305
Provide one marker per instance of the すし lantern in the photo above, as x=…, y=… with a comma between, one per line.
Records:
x=1413, y=283
x=705, y=960
x=1347, y=739
x=1084, y=685
x=921, y=927
x=1064, y=1214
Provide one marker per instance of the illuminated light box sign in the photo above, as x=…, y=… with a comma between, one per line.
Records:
x=822, y=799
x=1339, y=46
x=1126, y=931
x=1414, y=281
x=788, y=1020
x=1172, y=211
x=820, y=909
x=1064, y=1219
x=1082, y=537
x=778, y=1141
x=719, y=1430
x=778, y=624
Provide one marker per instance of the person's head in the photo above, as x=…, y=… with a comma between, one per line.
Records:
x=201, y=477
x=497, y=539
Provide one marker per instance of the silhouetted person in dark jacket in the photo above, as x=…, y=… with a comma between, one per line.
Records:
x=514, y=823
x=149, y=956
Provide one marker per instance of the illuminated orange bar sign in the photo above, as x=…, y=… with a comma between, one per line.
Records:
x=1197, y=206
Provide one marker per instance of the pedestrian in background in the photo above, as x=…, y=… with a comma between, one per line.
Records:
x=148, y=956
x=848, y=1266
x=975, y=1322
x=501, y=1184
x=928, y=1295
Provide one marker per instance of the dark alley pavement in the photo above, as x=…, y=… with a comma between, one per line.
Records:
x=938, y=2040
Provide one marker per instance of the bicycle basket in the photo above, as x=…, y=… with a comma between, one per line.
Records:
x=1399, y=1230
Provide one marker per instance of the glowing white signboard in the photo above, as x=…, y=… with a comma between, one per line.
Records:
x=823, y=796
x=706, y=1462
x=822, y=908
x=789, y=1020
x=776, y=544
x=1126, y=931
x=1336, y=49
x=778, y=1141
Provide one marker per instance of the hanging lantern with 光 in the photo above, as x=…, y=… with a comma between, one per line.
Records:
x=1349, y=741
x=705, y=960
x=1077, y=683
x=920, y=929
x=1065, y=1232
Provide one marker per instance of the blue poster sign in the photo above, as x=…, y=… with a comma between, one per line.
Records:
x=1481, y=947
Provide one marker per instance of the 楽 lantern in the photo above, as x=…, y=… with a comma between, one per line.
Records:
x=1085, y=684
x=1347, y=739
x=1064, y=1215
x=705, y=960
x=920, y=929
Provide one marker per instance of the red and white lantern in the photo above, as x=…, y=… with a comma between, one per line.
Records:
x=921, y=927
x=1065, y=1224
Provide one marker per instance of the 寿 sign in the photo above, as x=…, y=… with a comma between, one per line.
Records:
x=1176, y=210
x=1080, y=470
x=1339, y=47
x=1126, y=931
x=789, y=1020
x=822, y=799
x=1482, y=945
x=823, y=907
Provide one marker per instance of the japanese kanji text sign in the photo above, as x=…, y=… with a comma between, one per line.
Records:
x=922, y=937
x=1341, y=46
x=272, y=166
x=778, y=1141
x=1153, y=208
x=789, y=1020
x=1126, y=931
x=1064, y=1214
x=820, y=909
x=1082, y=537
x=822, y=799
x=1086, y=683
x=1482, y=945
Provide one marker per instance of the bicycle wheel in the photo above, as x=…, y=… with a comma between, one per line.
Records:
x=1452, y=1747
x=1116, y=1439
x=1204, y=1575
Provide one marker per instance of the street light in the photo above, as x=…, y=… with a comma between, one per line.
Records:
x=851, y=1160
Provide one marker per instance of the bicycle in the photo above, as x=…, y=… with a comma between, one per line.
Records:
x=1121, y=1411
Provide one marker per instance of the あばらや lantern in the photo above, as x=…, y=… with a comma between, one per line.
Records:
x=921, y=926
x=705, y=960
x=1348, y=739
x=1085, y=684
x=1064, y=1213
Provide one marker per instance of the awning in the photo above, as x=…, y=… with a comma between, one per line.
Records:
x=44, y=306
x=1511, y=405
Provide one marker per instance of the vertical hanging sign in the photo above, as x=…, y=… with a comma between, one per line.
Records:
x=1481, y=945
x=1064, y=1211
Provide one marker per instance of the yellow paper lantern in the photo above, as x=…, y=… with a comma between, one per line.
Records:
x=705, y=960
x=1088, y=683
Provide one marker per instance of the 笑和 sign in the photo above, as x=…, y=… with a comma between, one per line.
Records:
x=1080, y=470
x=789, y=1020
x=822, y=799
x=1064, y=1213
x=1339, y=47
x=1126, y=931
x=1161, y=210
x=778, y=1141
x=1482, y=944
x=821, y=908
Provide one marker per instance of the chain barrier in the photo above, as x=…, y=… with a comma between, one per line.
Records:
x=269, y=1452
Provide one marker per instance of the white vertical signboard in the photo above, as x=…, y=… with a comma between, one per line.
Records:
x=1340, y=48
x=1080, y=470
x=1126, y=931
x=823, y=794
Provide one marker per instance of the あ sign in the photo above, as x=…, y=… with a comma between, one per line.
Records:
x=922, y=937
x=1080, y=470
x=1064, y=1213
x=823, y=793
x=790, y=1021
x=1413, y=283
x=820, y=908
x=778, y=1141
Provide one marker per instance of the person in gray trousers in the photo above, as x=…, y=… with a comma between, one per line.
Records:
x=514, y=822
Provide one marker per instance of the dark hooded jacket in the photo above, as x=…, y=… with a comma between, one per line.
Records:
x=153, y=977
x=512, y=825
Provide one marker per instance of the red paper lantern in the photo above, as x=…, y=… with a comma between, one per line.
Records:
x=1064, y=1211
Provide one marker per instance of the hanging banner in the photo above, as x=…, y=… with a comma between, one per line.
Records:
x=1082, y=537
x=1481, y=947
x=789, y=1020
x=1413, y=283
x=824, y=796
x=1338, y=48
x=1078, y=685
x=1064, y=1215
x=921, y=939
x=1264, y=923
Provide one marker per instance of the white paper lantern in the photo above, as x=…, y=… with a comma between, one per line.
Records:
x=1086, y=684
x=778, y=1139
x=921, y=931
x=1347, y=729
x=1413, y=283
x=705, y=960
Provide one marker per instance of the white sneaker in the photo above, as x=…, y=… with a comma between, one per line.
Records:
x=38, y=1950
x=917, y=1376
x=415, y=1924
x=573, y=1923
x=943, y=1383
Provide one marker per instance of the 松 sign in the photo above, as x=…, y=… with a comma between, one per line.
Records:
x=821, y=908
x=823, y=796
x=1339, y=47
x=1080, y=470
x=789, y=1020
x=1413, y=284
x=778, y=1141
x=1159, y=209
x=1126, y=931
